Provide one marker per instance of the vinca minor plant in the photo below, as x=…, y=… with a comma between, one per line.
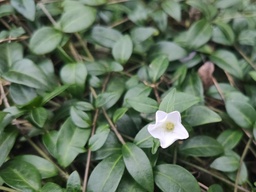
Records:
x=125, y=95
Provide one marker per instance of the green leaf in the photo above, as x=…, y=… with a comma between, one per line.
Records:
x=143, y=104
x=143, y=138
x=49, y=141
x=74, y=182
x=107, y=174
x=10, y=53
x=128, y=184
x=39, y=116
x=105, y=36
x=175, y=178
x=201, y=146
x=26, y=8
x=7, y=140
x=138, y=165
x=21, y=175
x=122, y=49
x=172, y=8
x=46, y=168
x=108, y=99
x=45, y=40
x=230, y=138
x=170, y=49
x=215, y=188
x=206, y=8
x=57, y=91
x=157, y=68
x=70, y=142
x=223, y=34
x=226, y=3
x=140, y=34
x=25, y=72
x=80, y=118
x=243, y=175
x=198, y=34
x=242, y=113
x=200, y=115
x=6, y=9
x=247, y=37
x=227, y=61
x=50, y=187
x=225, y=163
x=21, y=94
x=93, y=2
x=98, y=139
x=77, y=18
x=119, y=114
x=74, y=75
x=177, y=101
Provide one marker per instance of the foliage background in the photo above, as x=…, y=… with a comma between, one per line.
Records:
x=80, y=81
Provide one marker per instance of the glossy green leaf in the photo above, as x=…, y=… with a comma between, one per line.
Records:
x=7, y=140
x=223, y=34
x=39, y=116
x=242, y=113
x=227, y=61
x=74, y=75
x=57, y=91
x=80, y=118
x=21, y=94
x=225, y=163
x=49, y=141
x=25, y=72
x=83, y=106
x=77, y=18
x=170, y=49
x=198, y=34
x=108, y=99
x=21, y=175
x=5, y=10
x=10, y=53
x=45, y=40
x=138, y=165
x=143, y=104
x=46, y=168
x=140, y=34
x=201, y=146
x=119, y=114
x=230, y=138
x=105, y=36
x=177, y=101
x=175, y=178
x=226, y=3
x=107, y=174
x=99, y=138
x=122, y=49
x=143, y=138
x=157, y=68
x=243, y=176
x=49, y=186
x=128, y=184
x=26, y=8
x=200, y=115
x=247, y=37
x=74, y=182
x=70, y=142
x=215, y=188
x=94, y=2
x=172, y=8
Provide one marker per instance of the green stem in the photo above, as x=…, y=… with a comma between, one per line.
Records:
x=245, y=57
x=2, y=188
x=65, y=55
x=86, y=50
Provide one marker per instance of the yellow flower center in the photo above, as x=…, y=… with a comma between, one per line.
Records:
x=169, y=126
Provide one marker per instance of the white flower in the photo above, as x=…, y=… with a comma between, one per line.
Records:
x=168, y=128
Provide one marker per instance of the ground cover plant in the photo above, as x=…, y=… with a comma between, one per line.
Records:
x=119, y=95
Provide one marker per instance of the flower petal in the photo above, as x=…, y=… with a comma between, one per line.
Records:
x=180, y=132
x=160, y=115
x=167, y=141
x=174, y=117
x=155, y=130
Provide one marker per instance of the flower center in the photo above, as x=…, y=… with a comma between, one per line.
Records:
x=169, y=126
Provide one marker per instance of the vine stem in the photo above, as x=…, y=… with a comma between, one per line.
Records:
x=2, y=188
x=89, y=153
x=113, y=127
x=41, y=5
x=245, y=57
x=241, y=161
x=213, y=174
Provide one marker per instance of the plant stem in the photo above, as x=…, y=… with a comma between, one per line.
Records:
x=87, y=51
x=41, y=5
x=88, y=160
x=113, y=127
x=245, y=57
x=241, y=161
x=2, y=188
